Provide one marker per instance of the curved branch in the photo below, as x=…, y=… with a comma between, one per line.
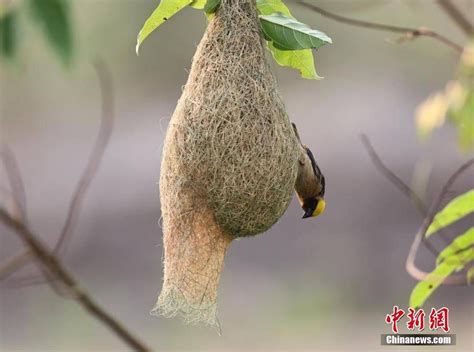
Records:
x=95, y=158
x=15, y=180
x=401, y=185
x=428, y=214
x=18, y=194
x=408, y=32
x=457, y=16
x=412, y=269
x=50, y=263
x=97, y=153
x=14, y=263
x=397, y=181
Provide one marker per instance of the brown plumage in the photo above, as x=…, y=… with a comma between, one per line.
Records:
x=310, y=182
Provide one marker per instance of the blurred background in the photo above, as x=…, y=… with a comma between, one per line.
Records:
x=318, y=284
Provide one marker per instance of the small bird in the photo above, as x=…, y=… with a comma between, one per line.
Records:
x=310, y=183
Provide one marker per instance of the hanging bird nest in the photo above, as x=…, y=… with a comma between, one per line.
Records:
x=229, y=162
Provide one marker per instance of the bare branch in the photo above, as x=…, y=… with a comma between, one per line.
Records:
x=400, y=184
x=18, y=194
x=53, y=266
x=412, y=269
x=14, y=263
x=420, y=275
x=95, y=158
x=457, y=16
x=428, y=214
x=408, y=32
x=392, y=177
x=436, y=205
x=15, y=180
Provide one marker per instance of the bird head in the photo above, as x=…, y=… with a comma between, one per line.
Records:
x=313, y=207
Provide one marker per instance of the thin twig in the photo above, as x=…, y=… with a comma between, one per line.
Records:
x=52, y=264
x=14, y=263
x=18, y=193
x=95, y=158
x=408, y=32
x=437, y=203
x=428, y=214
x=400, y=184
x=457, y=16
x=389, y=174
x=412, y=269
x=359, y=5
x=15, y=180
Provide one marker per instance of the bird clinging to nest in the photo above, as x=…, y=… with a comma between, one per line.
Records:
x=310, y=183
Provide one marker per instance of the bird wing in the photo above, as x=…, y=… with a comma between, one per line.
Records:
x=317, y=170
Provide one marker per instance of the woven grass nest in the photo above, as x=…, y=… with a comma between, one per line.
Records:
x=229, y=161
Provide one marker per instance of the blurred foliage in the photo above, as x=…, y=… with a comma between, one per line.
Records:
x=461, y=243
x=456, y=256
x=8, y=23
x=456, y=209
x=455, y=104
x=52, y=16
x=289, y=40
x=447, y=266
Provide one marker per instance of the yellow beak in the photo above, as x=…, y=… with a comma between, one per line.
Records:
x=319, y=208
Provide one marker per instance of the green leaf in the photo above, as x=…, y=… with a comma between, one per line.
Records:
x=460, y=243
x=424, y=289
x=301, y=60
x=8, y=34
x=53, y=17
x=268, y=7
x=288, y=34
x=162, y=13
x=211, y=6
x=456, y=209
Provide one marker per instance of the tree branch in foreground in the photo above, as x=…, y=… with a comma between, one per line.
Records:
x=412, y=269
x=95, y=158
x=55, y=268
x=14, y=263
x=408, y=32
x=92, y=166
x=400, y=184
x=15, y=180
x=457, y=16
x=18, y=197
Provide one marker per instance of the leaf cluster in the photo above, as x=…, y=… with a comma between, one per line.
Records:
x=457, y=256
x=454, y=104
x=52, y=17
x=290, y=42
